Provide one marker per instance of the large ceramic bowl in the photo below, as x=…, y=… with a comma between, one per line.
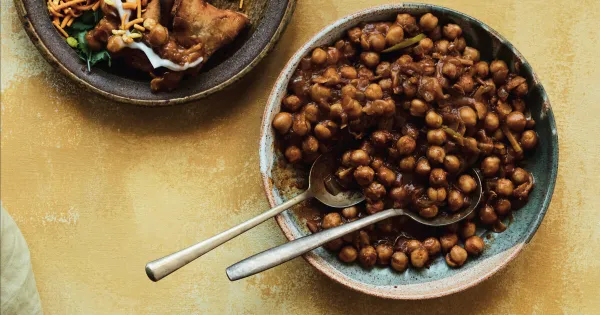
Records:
x=268, y=20
x=281, y=180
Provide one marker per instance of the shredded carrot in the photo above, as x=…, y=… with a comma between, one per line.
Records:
x=68, y=4
x=241, y=4
x=129, y=6
x=123, y=19
x=139, y=27
x=139, y=8
x=65, y=21
x=55, y=20
x=96, y=6
x=60, y=29
x=85, y=7
x=70, y=21
x=56, y=14
x=131, y=23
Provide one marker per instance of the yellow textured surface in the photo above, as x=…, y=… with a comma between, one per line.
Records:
x=100, y=188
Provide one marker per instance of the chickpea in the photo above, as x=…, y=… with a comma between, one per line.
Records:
x=456, y=257
x=491, y=122
x=411, y=245
x=282, y=122
x=460, y=44
x=521, y=90
x=293, y=154
x=354, y=35
x=385, y=226
x=399, y=261
x=426, y=45
x=384, y=69
x=363, y=239
x=406, y=20
x=399, y=193
x=423, y=168
x=406, y=145
x=529, y=139
x=349, y=72
x=450, y=70
x=487, y=215
x=386, y=84
x=516, y=121
x=292, y=103
x=428, y=22
x=374, y=206
x=468, y=116
x=359, y=157
x=436, y=154
x=367, y=256
x=374, y=92
x=394, y=35
x=452, y=163
x=376, y=163
x=436, y=137
x=432, y=245
x=456, y=200
x=376, y=42
x=419, y=257
x=520, y=176
x=466, y=83
x=447, y=241
x=348, y=254
x=438, y=177
x=346, y=160
x=504, y=187
x=467, y=184
x=370, y=59
x=467, y=230
x=499, y=71
x=318, y=56
x=474, y=245
x=471, y=54
x=482, y=69
x=384, y=254
x=435, y=34
x=452, y=31
x=386, y=176
x=364, y=175
x=490, y=166
x=349, y=91
x=407, y=164
x=310, y=145
x=367, y=146
x=115, y=44
x=350, y=212
x=336, y=111
x=433, y=120
x=437, y=194
x=375, y=191
x=502, y=206
x=322, y=130
x=429, y=212
x=418, y=107
x=331, y=220
x=441, y=46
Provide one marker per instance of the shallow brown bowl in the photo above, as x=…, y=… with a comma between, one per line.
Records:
x=268, y=20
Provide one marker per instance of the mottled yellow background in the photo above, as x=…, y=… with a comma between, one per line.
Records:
x=100, y=188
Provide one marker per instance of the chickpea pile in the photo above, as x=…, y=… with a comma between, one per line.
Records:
x=411, y=123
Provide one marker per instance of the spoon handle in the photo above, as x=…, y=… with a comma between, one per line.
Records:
x=282, y=253
x=163, y=267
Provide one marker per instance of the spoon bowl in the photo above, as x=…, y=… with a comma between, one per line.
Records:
x=321, y=173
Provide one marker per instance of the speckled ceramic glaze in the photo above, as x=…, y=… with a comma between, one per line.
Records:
x=268, y=20
x=439, y=279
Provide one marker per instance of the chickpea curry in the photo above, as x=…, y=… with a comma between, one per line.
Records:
x=411, y=108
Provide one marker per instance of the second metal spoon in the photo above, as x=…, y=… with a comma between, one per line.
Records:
x=280, y=254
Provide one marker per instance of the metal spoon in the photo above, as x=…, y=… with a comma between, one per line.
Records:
x=280, y=254
x=322, y=168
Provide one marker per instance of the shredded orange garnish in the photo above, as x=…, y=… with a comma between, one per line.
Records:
x=68, y=4
x=241, y=4
x=131, y=23
x=96, y=6
x=139, y=27
x=129, y=6
x=70, y=21
x=60, y=29
x=65, y=21
x=139, y=8
x=123, y=19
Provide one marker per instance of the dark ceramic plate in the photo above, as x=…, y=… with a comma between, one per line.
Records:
x=281, y=181
x=268, y=20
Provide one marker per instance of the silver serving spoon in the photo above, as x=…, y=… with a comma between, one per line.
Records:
x=320, y=172
x=280, y=254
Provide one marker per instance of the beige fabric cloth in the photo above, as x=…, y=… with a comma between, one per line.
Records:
x=18, y=293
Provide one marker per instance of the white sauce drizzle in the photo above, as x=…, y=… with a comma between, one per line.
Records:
x=155, y=59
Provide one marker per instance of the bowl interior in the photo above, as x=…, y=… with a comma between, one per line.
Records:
x=268, y=20
x=283, y=181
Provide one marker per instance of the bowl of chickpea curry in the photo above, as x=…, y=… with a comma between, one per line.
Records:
x=413, y=97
